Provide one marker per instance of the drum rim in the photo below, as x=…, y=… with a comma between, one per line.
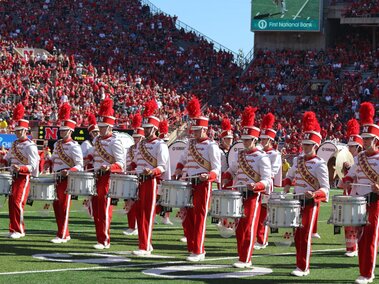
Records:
x=226, y=192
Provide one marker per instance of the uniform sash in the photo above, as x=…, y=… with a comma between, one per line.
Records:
x=17, y=153
x=247, y=168
x=367, y=169
x=198, y=157
x=103, y=153
x=62, y=154
x=306, y=174
x=146, y=155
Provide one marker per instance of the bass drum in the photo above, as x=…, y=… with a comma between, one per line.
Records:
x=233, y=152
x=175, y=150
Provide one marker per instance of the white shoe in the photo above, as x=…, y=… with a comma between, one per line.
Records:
x=259, y=246
x=183, y=240
x=142, y=252
x=130, y=232
x=16, y=235
x=316, y=236
x=167, y=221
x=364, y=280
x=57, y=240
x=101, y=246
x=240, y=264
x=193, y=257
x=351, y=253
x=299, y=273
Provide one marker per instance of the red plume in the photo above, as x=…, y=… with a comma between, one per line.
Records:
x=150, y=107
x=193, y=107
x=248, y=116
x=352, y=127
x=18, y=112
x=64, y=111
x=367, y=113
x=225, y=124
x=91, y=119
x=310, y=122
x=163, y=127
x=268, y=121
x=106, y=107
x=137, y=120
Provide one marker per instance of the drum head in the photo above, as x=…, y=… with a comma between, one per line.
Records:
x=126, y=139
x=233, y=152
x=175, y=151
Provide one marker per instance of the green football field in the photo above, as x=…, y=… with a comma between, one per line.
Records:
x=34, y=259
x=297, y=9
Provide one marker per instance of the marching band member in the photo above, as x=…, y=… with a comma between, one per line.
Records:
x=252, y=169
x=203, y=161
x=267, y=138
x=153, y=162
x=365, y=170
x=67, y=156
x=108, y=156
x=226, y=141
x=131, y=164
x=93, y=131
x=24, y=160
x=311, y=179
x=164, y=135
x=355, y=145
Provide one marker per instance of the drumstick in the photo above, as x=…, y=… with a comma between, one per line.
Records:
x=361, y=184
x=237, y=186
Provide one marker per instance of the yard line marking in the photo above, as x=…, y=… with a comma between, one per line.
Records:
x=152, y=264
x=301, y=9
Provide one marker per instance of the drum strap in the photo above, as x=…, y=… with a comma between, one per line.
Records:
x=17, y=153
x=131, y=152
x=146, y=155
x=103, y=153
x=247, y=168
x=62, y=154
x=306, y=174
x=371, y=174
x=199, y=159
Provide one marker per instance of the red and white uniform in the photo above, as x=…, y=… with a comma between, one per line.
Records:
x=63, y=202
x=303, y=235
x=194, y=224
x=21, y=182
x=131, y=164
x=101, y=203
x=148, y=188
x=247, y=226
x=276, y=180
x=86, y=148
x=368, y=243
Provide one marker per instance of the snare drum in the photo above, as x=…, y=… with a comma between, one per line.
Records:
x=283, y=213
x=81, y=184
x=123, y=186
x=348, y=210
x=42, y=188
x=176, y=194
x=226, y=204
x=5, y=183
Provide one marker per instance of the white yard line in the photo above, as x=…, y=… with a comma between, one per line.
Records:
x=301, y=9
x=151, y=264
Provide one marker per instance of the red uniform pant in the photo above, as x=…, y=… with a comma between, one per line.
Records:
x=247, y=227
x=315, y=226
x=132, y=217
x=351, y=238
x=194, y=224
x=262, y=229
x=102, y=210
x=16, y=203
x=303, y=235
x=62, y=209
x=368, y=243
x=145, y=207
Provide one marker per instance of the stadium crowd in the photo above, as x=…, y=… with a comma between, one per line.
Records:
x=122, y=50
